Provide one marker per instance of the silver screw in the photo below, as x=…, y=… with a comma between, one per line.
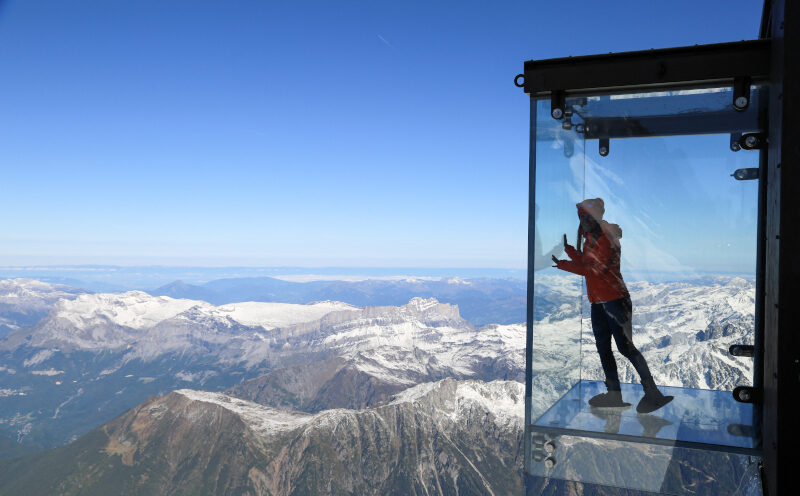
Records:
x=557, y=113
x=550, y=463
x=735, y=146
x=744, y=395
x=603, y=151
x=550, y=447
x=751, y=141
x=740, y=102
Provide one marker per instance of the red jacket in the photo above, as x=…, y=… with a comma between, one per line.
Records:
x=599, y=264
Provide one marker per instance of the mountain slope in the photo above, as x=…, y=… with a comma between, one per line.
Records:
x=448, y=437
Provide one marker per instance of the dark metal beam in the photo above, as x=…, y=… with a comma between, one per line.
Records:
x=781, y=366
x=668, y=125
x=691, y=65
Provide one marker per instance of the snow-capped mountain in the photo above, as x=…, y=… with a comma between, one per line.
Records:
x=24, y=302
x=144, y=326
x=684, y=331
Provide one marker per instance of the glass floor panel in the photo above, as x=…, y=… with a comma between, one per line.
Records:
x=705, y=419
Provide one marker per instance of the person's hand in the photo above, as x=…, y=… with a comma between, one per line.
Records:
x=571, y=252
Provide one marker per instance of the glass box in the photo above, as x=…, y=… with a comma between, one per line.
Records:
x=680, y=182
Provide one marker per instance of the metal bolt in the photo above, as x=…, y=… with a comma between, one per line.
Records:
x=550, y=462
x=740, y=102
x=751, y=141
x=550, y=447
x=744, y=395
x=735, y=146
x=557, y=113
x=603, y=151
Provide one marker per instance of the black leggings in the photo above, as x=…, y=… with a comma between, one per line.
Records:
x=613, y=318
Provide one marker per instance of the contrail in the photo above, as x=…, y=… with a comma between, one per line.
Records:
x=385, y=42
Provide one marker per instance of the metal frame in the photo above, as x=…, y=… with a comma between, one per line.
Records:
x=781, y=312
x=699, y=64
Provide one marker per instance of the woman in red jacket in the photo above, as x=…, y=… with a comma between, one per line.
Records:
x=599, y=262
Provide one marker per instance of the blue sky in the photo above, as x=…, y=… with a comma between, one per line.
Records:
x=295, y=133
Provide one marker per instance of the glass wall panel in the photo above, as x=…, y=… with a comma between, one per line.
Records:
x=556, y=348
x=660, y=170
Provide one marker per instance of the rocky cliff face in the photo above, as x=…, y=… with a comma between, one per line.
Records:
x=449, y=437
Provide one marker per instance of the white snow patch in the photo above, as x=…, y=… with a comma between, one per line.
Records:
x=39, y=358
x=271, y=315
x=49, y=372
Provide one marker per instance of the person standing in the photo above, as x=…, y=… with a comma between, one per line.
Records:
x=598, y=260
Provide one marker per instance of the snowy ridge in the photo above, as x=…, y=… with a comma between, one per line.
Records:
x=451, y=400
x=11, y=289
x=134, y=309
x=263, y=420
x=503, y=399
x=272, y=315
x=139, y=310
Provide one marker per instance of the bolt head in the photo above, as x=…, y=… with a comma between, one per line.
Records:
x=579, y=128
x=557, y=113
x=549, y=463
x=735, y=146
x=740, y=102
x=744, y=395
x=550, y=447
x=603, y=151
x=751, y=141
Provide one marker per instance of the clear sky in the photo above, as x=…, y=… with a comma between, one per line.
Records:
x=273, y=133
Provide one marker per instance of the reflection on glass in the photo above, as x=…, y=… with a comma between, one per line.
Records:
x=687, y=259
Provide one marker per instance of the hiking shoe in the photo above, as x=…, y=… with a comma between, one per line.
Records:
x=652, y=401
x=611, y=399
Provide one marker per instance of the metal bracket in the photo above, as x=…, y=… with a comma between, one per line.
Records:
x=557, y=106
x=604, y=147
x=567, y=124
x=742, y=350
x=741, y=93
x=753, y=141
x=735, y=146
x=745, y=174
x=746, y=394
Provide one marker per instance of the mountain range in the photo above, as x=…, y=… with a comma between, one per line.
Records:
x=71, y=376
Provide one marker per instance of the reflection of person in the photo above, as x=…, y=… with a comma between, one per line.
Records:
x=599, y=263
x=542, y=260
x=651, y=425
